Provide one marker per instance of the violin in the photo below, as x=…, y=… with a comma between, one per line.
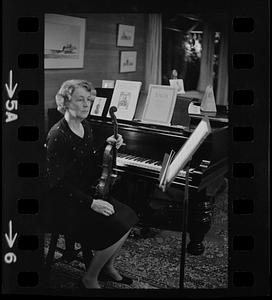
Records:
x=108, y=176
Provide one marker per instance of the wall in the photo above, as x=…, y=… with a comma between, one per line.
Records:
x=101, y=56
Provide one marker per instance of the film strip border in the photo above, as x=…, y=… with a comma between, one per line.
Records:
x=23, y=152
x=248, y=159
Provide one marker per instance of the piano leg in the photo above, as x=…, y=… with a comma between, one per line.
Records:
x=199, y=221
x=144, y=190
x=135, y=192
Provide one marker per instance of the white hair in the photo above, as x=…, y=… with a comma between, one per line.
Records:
x=66, y=91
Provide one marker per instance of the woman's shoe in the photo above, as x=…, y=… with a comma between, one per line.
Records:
x=125, y=280
x=107, y=277
x=82, y=287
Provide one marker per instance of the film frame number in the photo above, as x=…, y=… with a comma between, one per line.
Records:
x=10, y=257
x=11, y=104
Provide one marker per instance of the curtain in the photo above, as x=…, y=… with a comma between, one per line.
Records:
x=223, y=82
x=206, y=64
x=153, y=50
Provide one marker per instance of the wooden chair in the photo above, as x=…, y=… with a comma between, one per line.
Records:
x=68, y=255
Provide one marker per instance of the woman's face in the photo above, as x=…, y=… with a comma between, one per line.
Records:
x=81, y=102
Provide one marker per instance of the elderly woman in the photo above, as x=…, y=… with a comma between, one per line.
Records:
x=72, y=169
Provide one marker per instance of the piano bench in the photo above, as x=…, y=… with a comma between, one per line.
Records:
x=68, y=255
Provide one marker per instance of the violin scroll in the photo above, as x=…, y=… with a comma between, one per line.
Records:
x=112, y=110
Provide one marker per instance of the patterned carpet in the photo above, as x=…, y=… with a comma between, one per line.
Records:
x=154, y=262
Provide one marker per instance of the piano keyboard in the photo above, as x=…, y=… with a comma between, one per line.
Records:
x=123, y=160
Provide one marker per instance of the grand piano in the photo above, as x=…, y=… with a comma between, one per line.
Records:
x=138, y=167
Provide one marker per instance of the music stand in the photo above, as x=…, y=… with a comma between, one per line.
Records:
x=171, y=168
x=184, y=226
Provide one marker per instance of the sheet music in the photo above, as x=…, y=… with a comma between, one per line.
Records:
x=186, y=152
x=160, y=104
x=194, y=109
x=125, y=97
x=166, y=161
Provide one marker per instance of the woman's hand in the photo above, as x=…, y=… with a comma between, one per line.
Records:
x=112, y=141
x=102, y=207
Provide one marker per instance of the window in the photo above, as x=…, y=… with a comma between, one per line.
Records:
x=182, y=39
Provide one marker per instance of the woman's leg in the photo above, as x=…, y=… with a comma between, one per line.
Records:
x=98, y=261
x=109, y=265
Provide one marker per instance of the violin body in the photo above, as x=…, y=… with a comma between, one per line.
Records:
x=108, y=176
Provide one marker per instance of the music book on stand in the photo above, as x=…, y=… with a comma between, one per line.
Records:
x=172, y=166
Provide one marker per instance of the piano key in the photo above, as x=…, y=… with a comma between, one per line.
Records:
x=145, y=163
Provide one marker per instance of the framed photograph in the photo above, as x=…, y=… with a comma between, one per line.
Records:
x=128, y=61
x=125, y=37
x=160, y=103
x=98, y=106
x=64, y=42
x=108, y=84
x=178, y=84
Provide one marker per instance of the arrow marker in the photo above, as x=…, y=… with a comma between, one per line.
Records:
x=9, y=238
x=9, y=88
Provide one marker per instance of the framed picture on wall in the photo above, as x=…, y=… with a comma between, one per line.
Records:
x=128, y=61
x=125, y=37
x=64, y=42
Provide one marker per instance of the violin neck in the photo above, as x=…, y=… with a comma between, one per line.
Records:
x=115, y=131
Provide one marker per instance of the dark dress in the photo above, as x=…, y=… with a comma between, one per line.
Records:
x=71, y=172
